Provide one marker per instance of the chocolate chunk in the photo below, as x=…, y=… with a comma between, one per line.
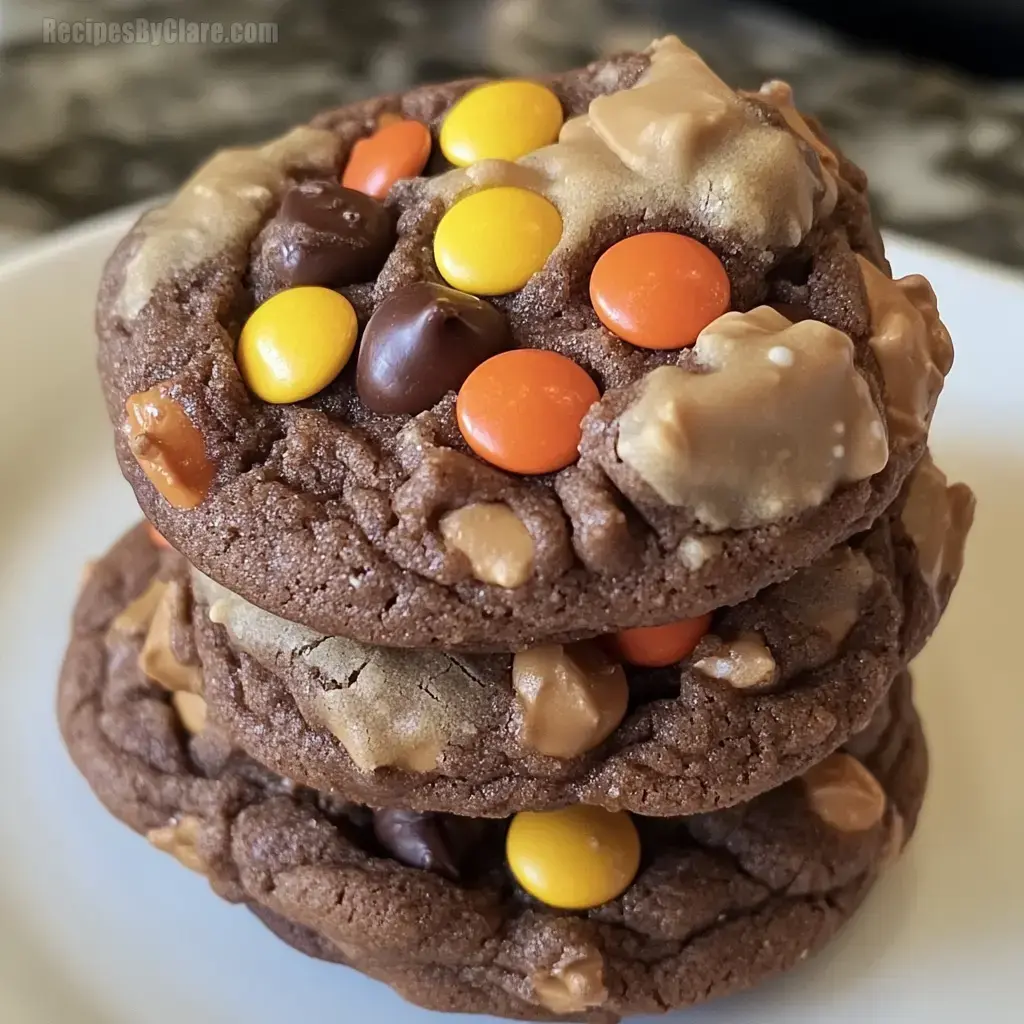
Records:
x=323, y=234
x=423, y=342
x=415, y=839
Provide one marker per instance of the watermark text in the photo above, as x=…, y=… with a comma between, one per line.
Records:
x=168, y=32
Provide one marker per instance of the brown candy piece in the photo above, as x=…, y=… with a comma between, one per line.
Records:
x=422, y=342
x=180, y=839
x=744, y=663
x=573, y=985
x=571, y=697
x=844, y=794
x=492, y=537
x=415, y=839
x=168, y=446
x=323, y=234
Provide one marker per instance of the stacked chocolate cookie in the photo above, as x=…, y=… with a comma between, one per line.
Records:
x=545, y=528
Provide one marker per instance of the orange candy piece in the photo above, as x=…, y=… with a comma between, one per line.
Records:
x=157, y=539
x=655, y=646
x=659, y=290
x=399, y=148
x=521, y=410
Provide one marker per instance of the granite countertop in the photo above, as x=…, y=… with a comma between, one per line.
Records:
x=84, y=129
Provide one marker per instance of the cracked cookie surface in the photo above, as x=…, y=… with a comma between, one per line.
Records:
x=722, y=900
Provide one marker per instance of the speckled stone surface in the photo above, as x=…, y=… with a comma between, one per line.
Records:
x=84, y=129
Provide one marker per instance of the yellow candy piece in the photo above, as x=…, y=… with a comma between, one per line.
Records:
x=500, y=121
x=493, y=241
x=575, y=858
x=296, y=343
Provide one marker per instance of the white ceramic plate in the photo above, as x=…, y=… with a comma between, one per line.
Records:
x=97, y=928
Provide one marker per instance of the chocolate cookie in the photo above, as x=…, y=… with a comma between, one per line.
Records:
x=719, y=901
x=780, y=682
x=546, y=459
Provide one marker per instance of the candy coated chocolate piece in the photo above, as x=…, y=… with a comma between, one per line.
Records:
x=522, y=410
x=415, y=839
x=659, y=290
x=326, y=234
x=158, y=539
x=296, y=343
x=500, y=121
x=574, y=858
x=657, y=646
x=399, y=148
x=492, y=242
x=423, y=342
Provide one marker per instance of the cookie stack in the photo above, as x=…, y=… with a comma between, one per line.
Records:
x=540, y=525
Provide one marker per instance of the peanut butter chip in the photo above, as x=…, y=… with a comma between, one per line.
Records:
x=168, y=447
x=571, y=697
x=573, y=985
x=385, y=707
x=747, y=437
x=780, y=95
x=679, y=139
x=220, y=208
x=191, y=710
x=937, y=518
x=912, y=347
x=493, y=538
x=744, y=663
x=135, y=619
x=180, y=839
x=156, y=659
x=844, y=794
x=828, y=595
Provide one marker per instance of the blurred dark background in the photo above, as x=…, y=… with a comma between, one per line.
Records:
x=982, y=36
x=927, y=95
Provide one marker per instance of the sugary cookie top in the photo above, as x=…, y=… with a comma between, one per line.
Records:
x=680, y=139
x=629, y=286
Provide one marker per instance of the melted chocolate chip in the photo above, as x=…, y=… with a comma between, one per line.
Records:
x=323, y=234
x=423, y=342
x=415, y=839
